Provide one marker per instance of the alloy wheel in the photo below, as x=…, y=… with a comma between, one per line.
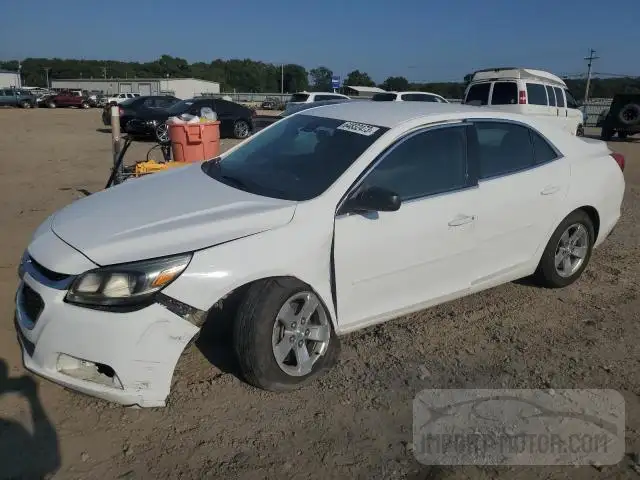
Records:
x=572, y=249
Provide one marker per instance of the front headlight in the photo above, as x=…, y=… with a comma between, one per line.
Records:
x=152, y=123
x=126, y=284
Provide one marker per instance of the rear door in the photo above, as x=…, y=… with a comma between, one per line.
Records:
x=574, y=116
x=523, y=180
x=538, y=101
x=504, y=96
x=478, y=94
x=563, y=114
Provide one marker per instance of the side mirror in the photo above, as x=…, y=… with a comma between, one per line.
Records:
x=372, y=199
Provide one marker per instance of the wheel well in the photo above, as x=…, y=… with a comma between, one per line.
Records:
x=595, y=219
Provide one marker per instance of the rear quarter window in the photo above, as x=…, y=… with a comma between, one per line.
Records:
x=559, y=96
x=551, y=95
x=504, y=93
x=478, y=94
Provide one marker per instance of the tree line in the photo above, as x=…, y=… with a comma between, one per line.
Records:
x=254, y=76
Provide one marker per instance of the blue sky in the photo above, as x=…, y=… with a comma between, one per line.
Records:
x=419, y=39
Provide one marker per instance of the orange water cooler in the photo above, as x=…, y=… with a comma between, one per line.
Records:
x=194, y=142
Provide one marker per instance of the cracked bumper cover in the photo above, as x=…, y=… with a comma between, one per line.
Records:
x=141, y=347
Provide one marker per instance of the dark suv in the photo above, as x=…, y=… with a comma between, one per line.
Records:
x=623, y=117
x=16, y=98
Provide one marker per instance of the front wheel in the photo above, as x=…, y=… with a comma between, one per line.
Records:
x=283, y=336
x=568, y=251
x=241, y=129
x=162, y=133
x=84, y=105
x=51, y=105
x=25, y=104
x=580, y=131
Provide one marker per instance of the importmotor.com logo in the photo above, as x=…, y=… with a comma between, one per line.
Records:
x=518, y=427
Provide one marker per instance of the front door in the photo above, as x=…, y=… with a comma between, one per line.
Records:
x=522, y=183
x=387, y=262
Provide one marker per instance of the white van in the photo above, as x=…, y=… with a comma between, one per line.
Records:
x=526, y=91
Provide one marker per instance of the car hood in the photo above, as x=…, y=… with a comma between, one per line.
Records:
x=163, y=214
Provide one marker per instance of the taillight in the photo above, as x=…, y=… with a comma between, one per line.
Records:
x=120, y=111
x=522, y=97
x=619, y=158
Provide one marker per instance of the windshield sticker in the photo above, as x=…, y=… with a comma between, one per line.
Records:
x=360, y=128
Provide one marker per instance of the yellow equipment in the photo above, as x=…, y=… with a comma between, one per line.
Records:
x=151, y=166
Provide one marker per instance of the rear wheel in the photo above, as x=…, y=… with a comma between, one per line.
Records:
x=568, y=251
x=25, y=104
x=51, y=104
x=85, y=105
x=606, y=134
x=241, y=129
x=283, y=336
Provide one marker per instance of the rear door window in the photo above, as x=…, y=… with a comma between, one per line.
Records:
x=384, y=97
x=537, y=94
x=552, y=96
x=299, y=97
x=504, y=93
x=418, y=97
x=503, y=148
x=478, y=94
x=559, y=96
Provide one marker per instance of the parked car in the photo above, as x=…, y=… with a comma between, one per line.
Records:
x=116, y=98
x=526, y=91
x=306, y=97
x=311, y=229
x=66, y=99
x=622, y=118
x=11, y=97
x=272, y=103
x=408, y=97
x=235, y=120
x=139, y=108
x=262, y=121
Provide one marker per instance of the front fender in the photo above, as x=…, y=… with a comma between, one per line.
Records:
x=299, y=249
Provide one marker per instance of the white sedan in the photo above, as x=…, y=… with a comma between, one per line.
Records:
x=328, y=221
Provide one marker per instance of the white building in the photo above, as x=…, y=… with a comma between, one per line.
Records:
x=9, y=79
x=180, y=87
x=364, y=92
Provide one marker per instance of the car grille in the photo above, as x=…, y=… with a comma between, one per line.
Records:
x=48, y=274
x=31, y=303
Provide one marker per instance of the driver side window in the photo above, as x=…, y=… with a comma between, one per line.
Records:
x=427, y=163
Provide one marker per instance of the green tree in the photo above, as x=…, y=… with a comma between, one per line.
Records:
x=359, y=79
x=397, y=84
x=321, y=79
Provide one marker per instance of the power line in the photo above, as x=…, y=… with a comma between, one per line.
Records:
x=590, y=60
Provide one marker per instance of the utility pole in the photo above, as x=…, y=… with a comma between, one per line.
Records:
x=19, y=74
x=46, y=72
x=282, y=79
x=590, y=60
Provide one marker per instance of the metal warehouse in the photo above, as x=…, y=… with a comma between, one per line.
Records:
x=9, y=79
x=180, y=87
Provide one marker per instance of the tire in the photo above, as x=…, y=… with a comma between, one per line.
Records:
x=630, y=114
x=262, y=330
x=575, y=235
x=580, y=131
x=51, y=105
x=84, y=105
x=606, y=134
x=241, y=129
x=622, y=135
x=25, y=104
x=161, y=133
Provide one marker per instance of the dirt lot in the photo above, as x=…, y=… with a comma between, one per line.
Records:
x=353, y=423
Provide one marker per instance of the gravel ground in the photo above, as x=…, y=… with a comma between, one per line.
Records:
x=355, y=422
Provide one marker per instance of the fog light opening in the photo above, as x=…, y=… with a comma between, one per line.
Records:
x=88, y=371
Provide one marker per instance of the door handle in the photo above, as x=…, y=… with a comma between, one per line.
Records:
x=461, y=220
x=550, y=190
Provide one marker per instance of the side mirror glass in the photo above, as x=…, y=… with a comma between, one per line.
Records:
x=372, y=199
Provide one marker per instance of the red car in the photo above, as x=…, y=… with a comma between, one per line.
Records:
x=66, y=99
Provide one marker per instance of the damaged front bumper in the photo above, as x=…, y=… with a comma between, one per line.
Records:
x=127, y=357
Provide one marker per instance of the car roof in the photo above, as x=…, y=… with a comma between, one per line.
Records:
x=391, y=114
x=425, y=93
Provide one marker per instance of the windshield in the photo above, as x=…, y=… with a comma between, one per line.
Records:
x=299, y=97
x=384, y=97
x=180, y=107
x=298, y=158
